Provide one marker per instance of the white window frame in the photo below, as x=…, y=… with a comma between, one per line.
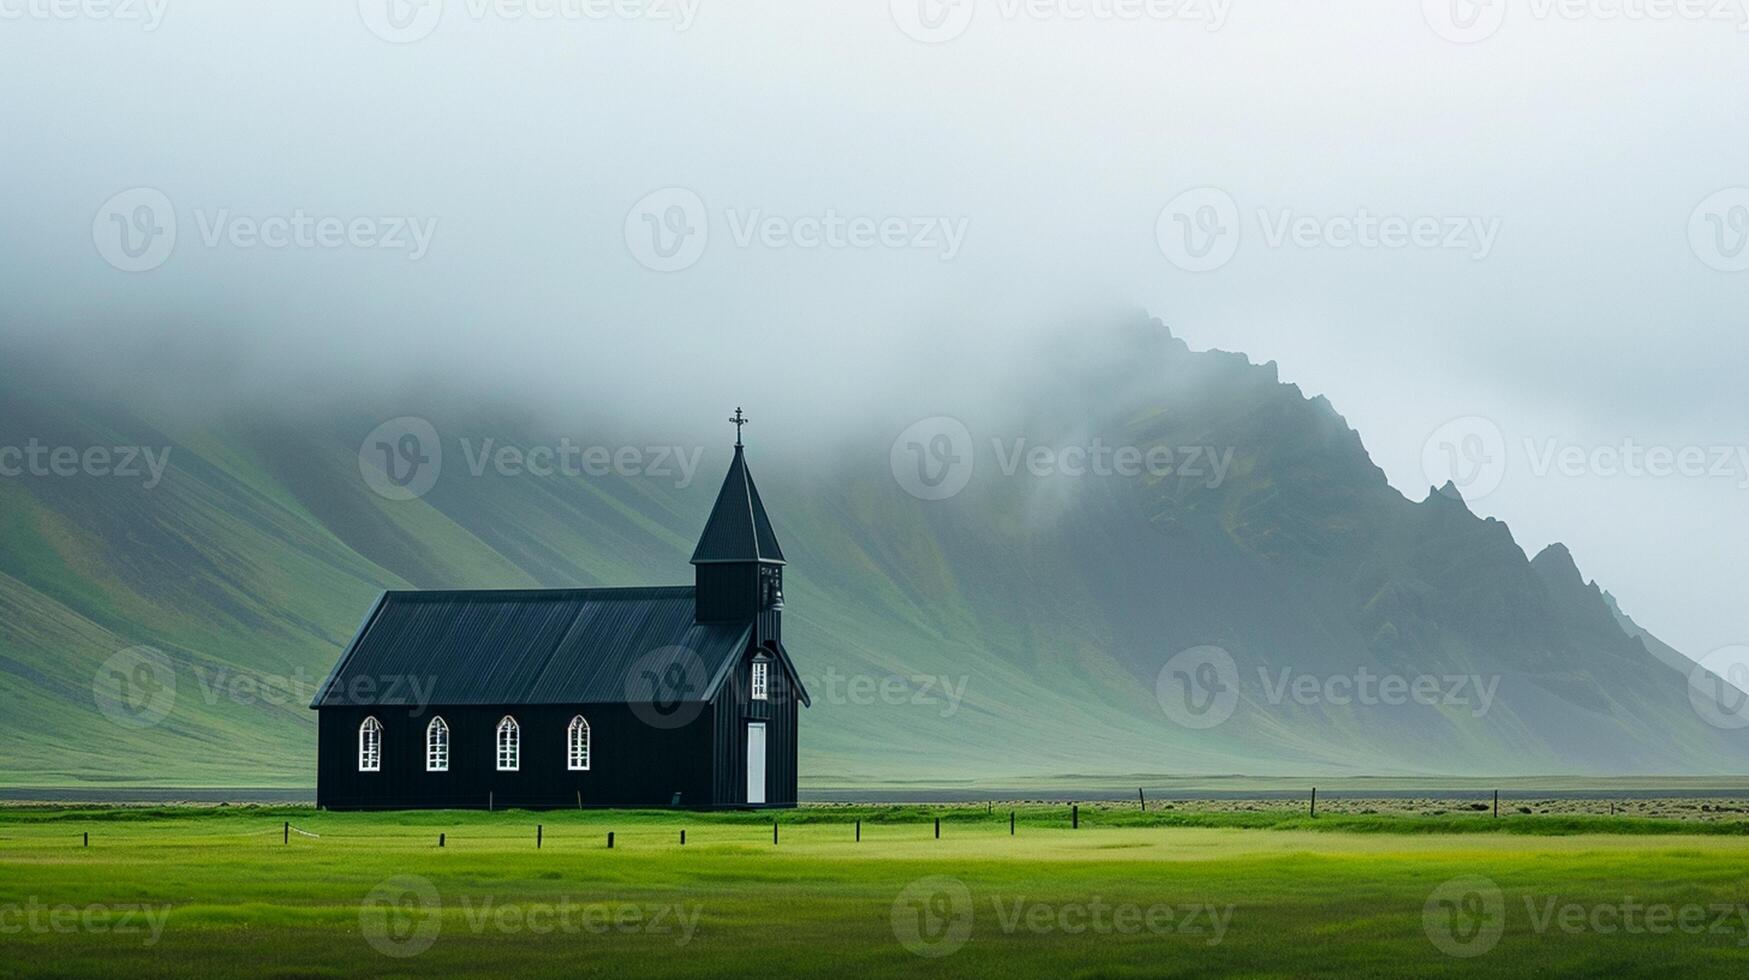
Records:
x=509, y=745
x=370, y=745
x=761, y=682
x=577, y=749
x=437, y=745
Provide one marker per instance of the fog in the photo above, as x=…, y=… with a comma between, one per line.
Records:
x=810, y=209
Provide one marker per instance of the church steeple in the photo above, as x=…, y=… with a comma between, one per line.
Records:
x=738, y=564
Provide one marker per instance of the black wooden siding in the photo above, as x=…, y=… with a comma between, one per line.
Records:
x=733, y=708
x=631, y=762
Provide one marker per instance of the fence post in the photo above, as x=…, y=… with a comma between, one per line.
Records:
x=1074, y=816
x=1011, y=823
x=539, y=832
x=610, y=840
x=859, y=831
x=287, y=839
x=1496, y=804
x=88, y=838
x=1314, y=801
x=774, y=831
x=440, y=838
x=1143, y=797
x=937, y=828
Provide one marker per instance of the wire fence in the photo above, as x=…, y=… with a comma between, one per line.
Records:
x=535, y=836
x=672, y=829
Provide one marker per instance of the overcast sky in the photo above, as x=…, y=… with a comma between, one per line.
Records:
x=1531, y=221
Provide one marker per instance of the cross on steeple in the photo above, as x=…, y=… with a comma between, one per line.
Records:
x=739, y=421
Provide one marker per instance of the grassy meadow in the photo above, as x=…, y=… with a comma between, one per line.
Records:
x=215, y=891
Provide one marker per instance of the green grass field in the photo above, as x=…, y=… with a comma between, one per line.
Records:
x=209, y=892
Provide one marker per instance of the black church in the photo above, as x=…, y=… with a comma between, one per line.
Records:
x=664, y=696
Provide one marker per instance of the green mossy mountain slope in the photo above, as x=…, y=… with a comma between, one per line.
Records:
x=1047, y=605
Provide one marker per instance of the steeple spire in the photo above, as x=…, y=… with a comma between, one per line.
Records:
x=738, y=529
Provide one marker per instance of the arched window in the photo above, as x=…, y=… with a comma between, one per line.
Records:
x=761, y=679
x=509, y=745
x=437, y=746
x=577, y=744
x=370, y=746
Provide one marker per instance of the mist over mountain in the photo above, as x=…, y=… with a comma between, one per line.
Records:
x=1128, y=513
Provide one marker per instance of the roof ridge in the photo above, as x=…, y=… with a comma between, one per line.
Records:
x=614, y=591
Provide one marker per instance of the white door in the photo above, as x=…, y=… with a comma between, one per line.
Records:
x=756, y=762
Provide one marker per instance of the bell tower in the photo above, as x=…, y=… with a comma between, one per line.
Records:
x=738, y=566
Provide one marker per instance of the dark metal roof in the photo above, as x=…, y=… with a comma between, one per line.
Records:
x=738, y=529
x=560, y=646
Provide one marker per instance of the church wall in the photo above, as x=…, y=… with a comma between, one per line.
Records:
x=732, y=710
x=632, y=763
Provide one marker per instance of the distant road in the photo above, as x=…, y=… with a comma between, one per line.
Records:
x=173, y=795
x=1195, y=795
